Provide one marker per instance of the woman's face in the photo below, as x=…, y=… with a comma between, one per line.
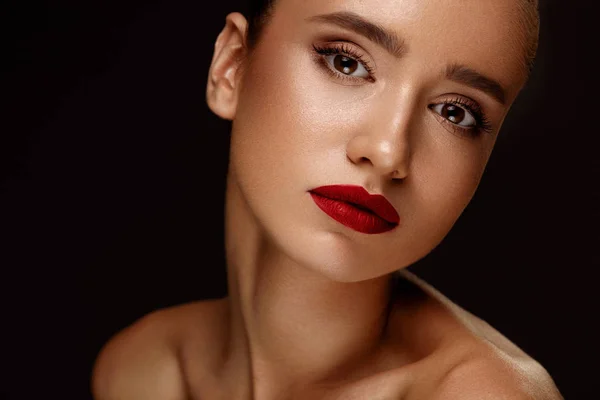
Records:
x=404, y=98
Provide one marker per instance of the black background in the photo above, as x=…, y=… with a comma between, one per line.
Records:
x=110, y=159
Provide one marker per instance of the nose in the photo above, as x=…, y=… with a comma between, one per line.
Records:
x=387, y=153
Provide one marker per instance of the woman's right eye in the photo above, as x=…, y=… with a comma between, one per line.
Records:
x=347, y=65
x=344, y=62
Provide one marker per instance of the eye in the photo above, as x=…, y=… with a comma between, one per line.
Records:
x=347, y=65
x=345, y=62
x=463, y=115
x=455, y=114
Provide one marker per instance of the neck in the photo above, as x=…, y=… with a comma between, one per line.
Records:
x=288, y=324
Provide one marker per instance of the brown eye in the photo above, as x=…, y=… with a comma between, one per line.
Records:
x=455, y=114
x=347, y=66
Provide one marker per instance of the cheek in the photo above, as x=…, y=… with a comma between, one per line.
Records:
x=454, y=185
x=290, y=113
x=271, y=133
x=445, y=182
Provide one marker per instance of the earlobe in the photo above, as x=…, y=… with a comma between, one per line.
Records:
x=226, y=66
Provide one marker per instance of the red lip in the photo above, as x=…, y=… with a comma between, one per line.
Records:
x=355, y=208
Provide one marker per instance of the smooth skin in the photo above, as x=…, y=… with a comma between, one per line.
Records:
x=310, y=313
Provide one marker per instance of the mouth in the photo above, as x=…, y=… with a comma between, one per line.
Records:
x=355, y=208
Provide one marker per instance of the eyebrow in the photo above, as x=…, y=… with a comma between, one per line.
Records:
x=397, y=47
x=469, y=77
x=391, y=42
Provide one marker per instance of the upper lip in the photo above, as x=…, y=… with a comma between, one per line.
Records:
x=357, y=195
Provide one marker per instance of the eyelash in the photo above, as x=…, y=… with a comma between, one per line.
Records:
x=483, y=123
x=345, y=50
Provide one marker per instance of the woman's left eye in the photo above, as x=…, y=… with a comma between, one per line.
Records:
x=456, y=114
x=347, y=65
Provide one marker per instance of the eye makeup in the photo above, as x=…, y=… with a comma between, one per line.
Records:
x=344, y=49
x=482, y=123
x=322, y=53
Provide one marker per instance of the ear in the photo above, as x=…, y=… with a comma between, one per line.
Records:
x=225, y=70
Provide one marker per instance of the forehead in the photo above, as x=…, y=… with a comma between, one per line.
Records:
x=484, y=35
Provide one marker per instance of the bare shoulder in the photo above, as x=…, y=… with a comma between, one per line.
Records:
x=475, y=361
x=139, y=362
x=143, y=361
x=486, y=377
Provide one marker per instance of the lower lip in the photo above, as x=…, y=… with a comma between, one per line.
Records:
x=351, y=216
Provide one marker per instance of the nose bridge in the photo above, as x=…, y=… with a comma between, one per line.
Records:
x=384, y=142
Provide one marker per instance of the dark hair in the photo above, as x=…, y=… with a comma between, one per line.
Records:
x=260, y=12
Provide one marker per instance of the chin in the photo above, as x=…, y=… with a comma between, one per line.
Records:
x=339, y=257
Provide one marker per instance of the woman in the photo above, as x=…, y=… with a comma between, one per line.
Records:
x=360, y=132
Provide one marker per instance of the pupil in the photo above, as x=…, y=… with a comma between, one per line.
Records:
x=454, y=113
x=345, y=64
